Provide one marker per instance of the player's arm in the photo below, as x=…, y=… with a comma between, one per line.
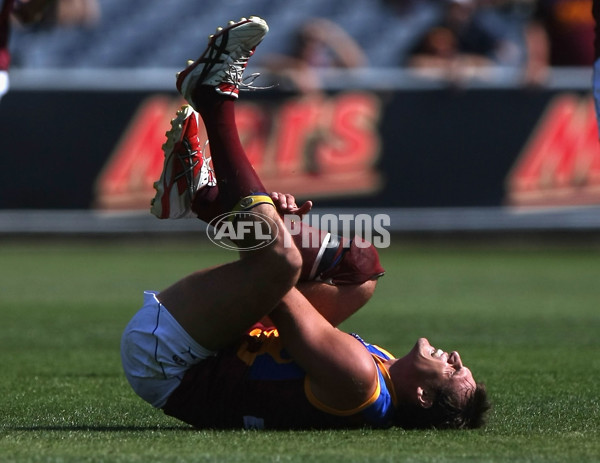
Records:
x=354, y=276
x=337, y=303
x=341, y=372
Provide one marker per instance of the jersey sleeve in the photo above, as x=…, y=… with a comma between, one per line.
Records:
x=377, y=410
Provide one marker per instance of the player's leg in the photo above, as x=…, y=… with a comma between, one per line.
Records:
x=215, y=305
x=237, y=179
x=337, y=277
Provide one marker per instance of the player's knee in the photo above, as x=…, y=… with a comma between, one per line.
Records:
x=366, y=290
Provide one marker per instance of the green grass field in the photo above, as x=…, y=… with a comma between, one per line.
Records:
x=526, y=320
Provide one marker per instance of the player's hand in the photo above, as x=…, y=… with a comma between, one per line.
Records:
x=286, y=204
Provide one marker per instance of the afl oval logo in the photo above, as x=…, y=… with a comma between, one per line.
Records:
x=241, y=227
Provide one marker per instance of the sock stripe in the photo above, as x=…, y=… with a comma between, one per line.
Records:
x=317, y=263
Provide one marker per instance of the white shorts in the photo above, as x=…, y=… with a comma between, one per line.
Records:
x=3, y=83
x=156, y=352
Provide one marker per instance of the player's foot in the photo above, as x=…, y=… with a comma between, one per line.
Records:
x=185, y=169
x=223, y=62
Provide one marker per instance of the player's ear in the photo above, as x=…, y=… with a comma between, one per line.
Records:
x=424, y=397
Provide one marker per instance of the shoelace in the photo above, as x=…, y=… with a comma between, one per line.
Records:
x=234, y=75
x=205, y=164
x=188, y=167
x=251, y=78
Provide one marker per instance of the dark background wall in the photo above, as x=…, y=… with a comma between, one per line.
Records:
x=439, y=148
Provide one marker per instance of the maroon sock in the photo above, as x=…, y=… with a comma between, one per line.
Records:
x=235, y=175
x=207, y=204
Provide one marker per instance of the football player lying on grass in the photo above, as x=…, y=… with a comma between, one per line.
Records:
x=253, y=343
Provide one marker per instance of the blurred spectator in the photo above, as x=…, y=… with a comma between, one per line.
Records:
x=569, y=28
x=471, y=37
x=73, y=13
x=24, y=11
x=561, y=33
x=413, y=19
x=319, y=43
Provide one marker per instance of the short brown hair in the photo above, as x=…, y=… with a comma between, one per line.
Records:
x=448, y=411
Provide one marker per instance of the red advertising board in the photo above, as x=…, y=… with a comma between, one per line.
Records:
x=307, y=146
x=404, y=148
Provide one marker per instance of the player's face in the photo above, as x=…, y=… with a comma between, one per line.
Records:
x=437, y=368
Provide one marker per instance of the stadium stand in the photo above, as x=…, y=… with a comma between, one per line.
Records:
x=143, y=38
x=165, y=33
